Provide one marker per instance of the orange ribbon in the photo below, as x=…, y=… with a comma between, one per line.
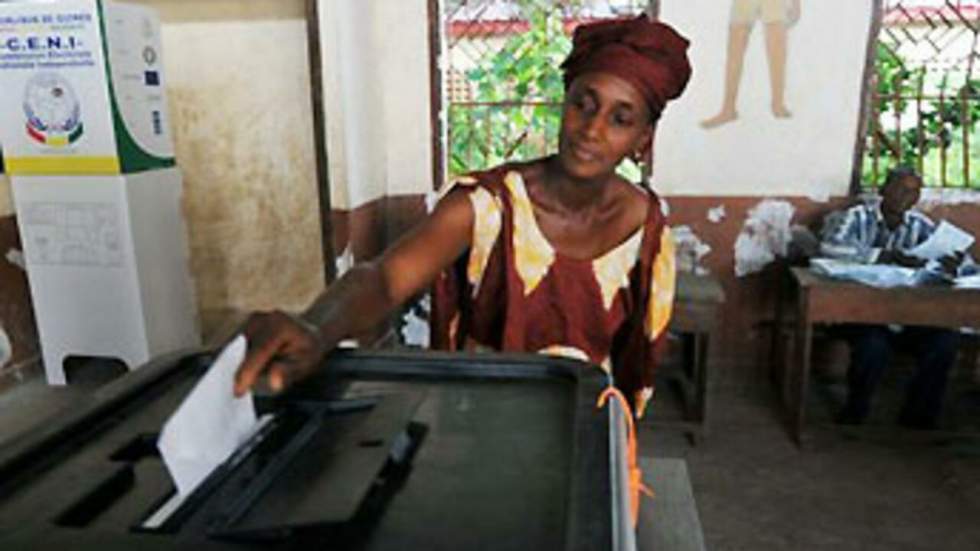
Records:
x=636, y=484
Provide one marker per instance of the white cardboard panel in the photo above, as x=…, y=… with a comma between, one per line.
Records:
x=107, y=266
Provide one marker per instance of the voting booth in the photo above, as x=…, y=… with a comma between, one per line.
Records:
x=377, y=451
x=87, y=144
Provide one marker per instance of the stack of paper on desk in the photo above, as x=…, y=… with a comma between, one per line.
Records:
x=876, y=275
x=887, y=276
x=968, y=282
x=209, y=425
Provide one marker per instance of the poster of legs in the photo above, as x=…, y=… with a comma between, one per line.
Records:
x=775, y=100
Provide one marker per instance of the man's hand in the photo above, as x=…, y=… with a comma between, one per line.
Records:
x=899, y=258
x=951, y=263
x=281, y=347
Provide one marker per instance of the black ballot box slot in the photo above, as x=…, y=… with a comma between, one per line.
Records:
x=316, y=465
x=90, y=504
x=323, y=475
x=109, y=484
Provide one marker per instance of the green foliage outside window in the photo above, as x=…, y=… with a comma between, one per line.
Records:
x=517, y=98
x=942, y=124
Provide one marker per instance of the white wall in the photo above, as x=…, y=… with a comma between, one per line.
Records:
x=376, y=96
x=403, y=29
x=806, y=155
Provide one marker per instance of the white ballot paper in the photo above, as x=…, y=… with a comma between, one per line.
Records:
x=946, y=240
x=210, y=424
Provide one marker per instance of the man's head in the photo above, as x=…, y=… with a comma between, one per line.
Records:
x=899, y=193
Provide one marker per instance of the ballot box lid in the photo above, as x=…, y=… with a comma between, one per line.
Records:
x=506, y=451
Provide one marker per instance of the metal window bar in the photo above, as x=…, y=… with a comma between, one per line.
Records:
x=925, y=94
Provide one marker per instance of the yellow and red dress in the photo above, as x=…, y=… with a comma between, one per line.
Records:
x=512, y=291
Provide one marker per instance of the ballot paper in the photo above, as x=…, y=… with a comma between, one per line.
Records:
x=210, y=423
x=945, y=241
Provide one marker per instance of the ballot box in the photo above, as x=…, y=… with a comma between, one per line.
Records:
x=379, y=451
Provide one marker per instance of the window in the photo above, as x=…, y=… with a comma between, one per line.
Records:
x=925, y=93
x=501, y=80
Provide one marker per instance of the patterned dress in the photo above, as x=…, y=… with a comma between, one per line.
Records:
x=512, y=291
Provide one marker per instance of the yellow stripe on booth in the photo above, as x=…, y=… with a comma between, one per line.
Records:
x=62, y=165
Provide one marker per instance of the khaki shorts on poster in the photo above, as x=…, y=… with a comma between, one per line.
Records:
x=769, y=11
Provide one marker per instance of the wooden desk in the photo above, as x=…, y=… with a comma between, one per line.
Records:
x=825, y=300
x=670, y=520
x=695, y=320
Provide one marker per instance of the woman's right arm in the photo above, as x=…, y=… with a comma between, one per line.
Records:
x=285, y=349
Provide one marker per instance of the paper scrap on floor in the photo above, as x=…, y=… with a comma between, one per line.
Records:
x=945, y=241
x=210, y=424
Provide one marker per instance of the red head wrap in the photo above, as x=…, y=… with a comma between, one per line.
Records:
x=648, y=54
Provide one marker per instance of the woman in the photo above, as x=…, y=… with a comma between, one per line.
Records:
x=557, y=255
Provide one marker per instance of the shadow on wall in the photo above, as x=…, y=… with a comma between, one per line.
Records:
x=244, y=142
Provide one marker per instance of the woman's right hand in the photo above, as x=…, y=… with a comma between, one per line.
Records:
x=284, y=348
x=281, y=347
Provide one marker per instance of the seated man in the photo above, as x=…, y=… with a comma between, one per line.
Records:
x=882, y=231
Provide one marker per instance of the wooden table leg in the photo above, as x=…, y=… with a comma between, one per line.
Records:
x=803, y=345
x=702, y=346
x=789, y=364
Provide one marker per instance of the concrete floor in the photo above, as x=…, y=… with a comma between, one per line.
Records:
x=877, y=488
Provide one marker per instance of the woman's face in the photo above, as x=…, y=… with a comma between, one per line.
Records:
x=603, y=120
